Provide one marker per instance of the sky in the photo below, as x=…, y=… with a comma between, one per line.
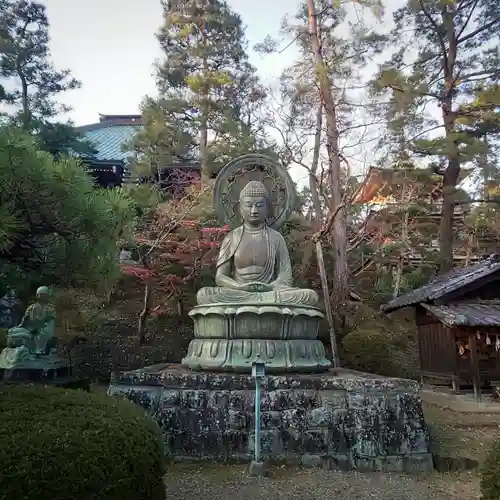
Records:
x=110, y=46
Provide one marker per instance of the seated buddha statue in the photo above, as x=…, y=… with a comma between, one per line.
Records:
x=36, y=329
x=254, y=264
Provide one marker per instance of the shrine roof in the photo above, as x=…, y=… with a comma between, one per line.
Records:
x=477, y=313
x=446, y=284
x=377, y=178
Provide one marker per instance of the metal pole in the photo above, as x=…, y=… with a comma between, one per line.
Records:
x=257, y=419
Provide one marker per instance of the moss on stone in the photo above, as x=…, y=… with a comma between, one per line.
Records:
x=61, y=444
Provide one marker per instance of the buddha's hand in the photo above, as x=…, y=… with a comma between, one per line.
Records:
x=257, y=287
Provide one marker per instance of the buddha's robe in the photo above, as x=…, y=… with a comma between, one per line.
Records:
x=256, y=257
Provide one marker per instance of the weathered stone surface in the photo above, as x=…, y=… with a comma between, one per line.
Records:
x=341, y=419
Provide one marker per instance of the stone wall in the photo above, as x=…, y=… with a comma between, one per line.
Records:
x=340, y=419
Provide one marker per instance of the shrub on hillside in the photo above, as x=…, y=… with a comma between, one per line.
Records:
x=490, y=477
x=61, y=444
x=370, y=350
x=377, y=343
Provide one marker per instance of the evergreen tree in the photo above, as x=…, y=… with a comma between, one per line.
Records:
x=443, y=51
x=55, y=227
x=25, y=64
x=208, y=92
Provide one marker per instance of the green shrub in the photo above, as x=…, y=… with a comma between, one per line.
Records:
x=59, y=445
x=373, y=351
x=490, y=474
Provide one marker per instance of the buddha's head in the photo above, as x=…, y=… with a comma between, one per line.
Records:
x=43, y=294
x=254, y=203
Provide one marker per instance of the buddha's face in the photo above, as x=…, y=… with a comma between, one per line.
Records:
x=254, y=210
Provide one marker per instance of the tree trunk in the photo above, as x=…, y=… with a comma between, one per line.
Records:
x=313, y=180
x=406, y=196
x=144, y=314
x=146, y=307
x=446, y=228
x=452, y=171
x=26, y=114
x=341, y=273
x=205, y=174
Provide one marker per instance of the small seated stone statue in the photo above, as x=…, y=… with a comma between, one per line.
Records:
x=254, y=264
x=32, y=337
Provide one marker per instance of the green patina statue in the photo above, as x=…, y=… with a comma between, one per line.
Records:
x=254, y=310
x=29, y=344
x=254, y=264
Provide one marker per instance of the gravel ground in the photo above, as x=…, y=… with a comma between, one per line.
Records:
x=218, y=482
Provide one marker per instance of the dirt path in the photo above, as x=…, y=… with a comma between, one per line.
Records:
x=230, y=482
x=455, y=434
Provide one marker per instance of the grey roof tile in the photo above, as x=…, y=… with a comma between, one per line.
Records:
x=445, y=284
x=479, y=313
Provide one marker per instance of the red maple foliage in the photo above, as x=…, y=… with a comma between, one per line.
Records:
x=175, y=250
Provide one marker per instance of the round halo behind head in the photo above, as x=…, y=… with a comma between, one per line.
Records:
x=235, y=180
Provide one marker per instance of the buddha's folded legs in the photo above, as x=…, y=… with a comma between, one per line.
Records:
x=218, y=295
x=298, y=296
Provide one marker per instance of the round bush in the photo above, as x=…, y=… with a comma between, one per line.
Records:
x=59, y=444
x=373, y=352
x=490, y=477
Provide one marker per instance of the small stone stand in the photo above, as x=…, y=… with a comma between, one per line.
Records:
x=59, y=376
x=257, y=469
x=339, y=419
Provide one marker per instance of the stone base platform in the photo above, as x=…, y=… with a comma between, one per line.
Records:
x=339, y=419
x=56, y=374
x=36, y=372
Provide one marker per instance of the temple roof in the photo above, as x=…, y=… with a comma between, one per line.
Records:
x=378, y=178
x=110, y=135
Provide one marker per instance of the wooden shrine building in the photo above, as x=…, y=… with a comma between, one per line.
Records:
x=458, y=325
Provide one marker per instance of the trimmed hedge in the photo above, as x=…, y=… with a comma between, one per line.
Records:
x=59, y=445
x=490, y=474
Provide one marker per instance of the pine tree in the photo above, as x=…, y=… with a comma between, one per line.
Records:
x=442, y=52
x=208, y=92
x=25, y=62
x=55, y=227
